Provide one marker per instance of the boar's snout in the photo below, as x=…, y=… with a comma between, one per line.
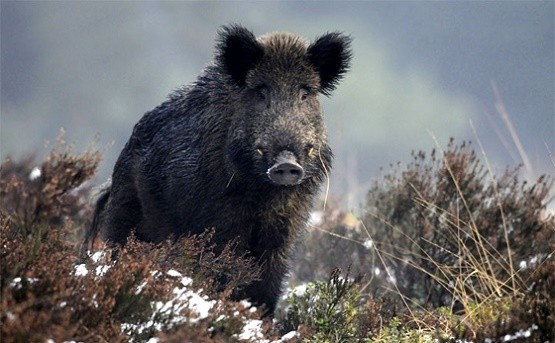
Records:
x=286, y=171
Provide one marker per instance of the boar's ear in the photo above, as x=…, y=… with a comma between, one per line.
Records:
x=331, y=55
x=238, y=51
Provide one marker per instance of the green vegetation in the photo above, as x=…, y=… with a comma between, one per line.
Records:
x=443, y=251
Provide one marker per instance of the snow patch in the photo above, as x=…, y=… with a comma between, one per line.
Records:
x=520, y=334
x=16, y=282
x=252, y=331
x=199, y=307
x=80, y=270
x=174, y=273
x=316, y=218
x=97, y=255
x=288, y=336
x=101, y=270
x=368, y=244
x=299, y=291
x=35, y=174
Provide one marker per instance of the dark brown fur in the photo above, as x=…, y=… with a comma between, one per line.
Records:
x=201, y=159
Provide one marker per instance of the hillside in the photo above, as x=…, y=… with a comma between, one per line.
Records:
x=443, y=252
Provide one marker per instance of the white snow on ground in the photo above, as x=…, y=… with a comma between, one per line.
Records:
x=520, y=334
x=298, y=291
x=252, y=331
x=368, y=244
x=288, y=336
x=247, y=304
x=16, y=282
x=316, y=218
x=101, y=270
x=174, y=273
x=81, y=270
x=185, y=298
x=198, y=304
x=96, y=257
x=199, y=307
x=35, y=174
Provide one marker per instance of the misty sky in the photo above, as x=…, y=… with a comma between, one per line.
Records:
x=421, y=71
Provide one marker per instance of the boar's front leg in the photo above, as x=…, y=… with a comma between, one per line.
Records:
x=266, y=291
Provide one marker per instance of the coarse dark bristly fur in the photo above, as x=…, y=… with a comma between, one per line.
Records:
x=242, y=150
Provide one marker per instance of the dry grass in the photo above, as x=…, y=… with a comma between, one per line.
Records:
x=443, y=237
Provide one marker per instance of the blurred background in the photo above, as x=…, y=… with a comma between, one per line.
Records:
x=422, y=72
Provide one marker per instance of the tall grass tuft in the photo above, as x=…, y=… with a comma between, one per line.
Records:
x=442, y=234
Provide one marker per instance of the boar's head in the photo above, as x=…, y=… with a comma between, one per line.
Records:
x=277, y=134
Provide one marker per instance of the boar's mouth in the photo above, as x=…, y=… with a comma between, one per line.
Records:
x=286, y=171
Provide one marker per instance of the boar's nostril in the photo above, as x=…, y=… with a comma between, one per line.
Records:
x=286, y=174
x=286, y=171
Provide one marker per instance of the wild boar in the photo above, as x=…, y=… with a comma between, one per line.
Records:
x=242, y=150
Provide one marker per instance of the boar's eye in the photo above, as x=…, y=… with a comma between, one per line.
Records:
x=261, y=92
x=303, y=94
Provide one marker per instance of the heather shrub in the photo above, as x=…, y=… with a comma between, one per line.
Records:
x=445, y=215
x=51, y=192
x=50, y=291
x=328, y=310
x=443, y=235
x=339, y=310
x=448, y=252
